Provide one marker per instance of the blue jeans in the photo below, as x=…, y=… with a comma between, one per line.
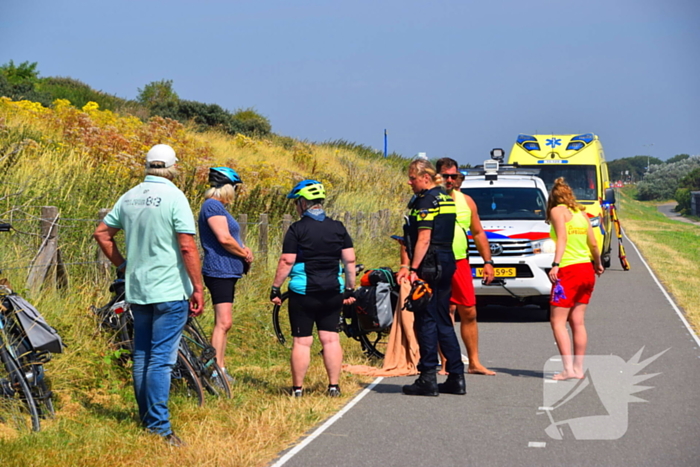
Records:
x=157, y=331
x=435, y=325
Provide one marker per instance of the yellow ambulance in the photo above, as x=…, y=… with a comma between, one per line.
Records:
x=581, y=161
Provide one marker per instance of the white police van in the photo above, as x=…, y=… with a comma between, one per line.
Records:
x=512, y=207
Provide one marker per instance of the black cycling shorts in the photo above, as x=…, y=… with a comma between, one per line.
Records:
x=321, y=308
x=222, y=289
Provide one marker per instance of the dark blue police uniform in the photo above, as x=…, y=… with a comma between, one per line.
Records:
x=434, y=209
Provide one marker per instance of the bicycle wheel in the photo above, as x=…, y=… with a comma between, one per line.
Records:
x=126, y=330
x=17, y=406
x=374, y=343
x=184, y=380
x=32, y=364
x=212, y=377
x=280, y=324
x=42, y=394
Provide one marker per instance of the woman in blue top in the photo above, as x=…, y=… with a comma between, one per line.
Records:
x=226, y=259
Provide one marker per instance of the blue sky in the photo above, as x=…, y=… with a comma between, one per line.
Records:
x=449, y=78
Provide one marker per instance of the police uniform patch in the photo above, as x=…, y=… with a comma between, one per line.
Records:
x=422, y=213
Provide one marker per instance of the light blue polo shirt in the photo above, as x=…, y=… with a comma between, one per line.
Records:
x=151, y=215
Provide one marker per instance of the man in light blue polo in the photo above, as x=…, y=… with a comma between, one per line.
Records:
x=162, y=274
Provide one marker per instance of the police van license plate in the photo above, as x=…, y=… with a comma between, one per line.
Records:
x=498, y=272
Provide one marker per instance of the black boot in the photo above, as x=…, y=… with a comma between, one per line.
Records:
x=454, y=384
x=425, y=385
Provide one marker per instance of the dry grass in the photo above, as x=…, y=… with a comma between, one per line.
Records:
x=95, y=422
x=671, y=248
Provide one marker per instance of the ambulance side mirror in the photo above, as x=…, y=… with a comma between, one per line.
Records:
x=610, y=195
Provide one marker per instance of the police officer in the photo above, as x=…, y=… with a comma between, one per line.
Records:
x=427, y=254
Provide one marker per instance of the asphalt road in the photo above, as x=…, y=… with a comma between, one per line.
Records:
x=667, y=209
x=503, y=420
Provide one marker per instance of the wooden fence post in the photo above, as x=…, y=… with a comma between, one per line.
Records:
x=360, y=219
x=385, y=220
x=48, y=258
x=243, y=224
x=375, y=228
x=262, y=236
x=286, y=222
x=347, y=218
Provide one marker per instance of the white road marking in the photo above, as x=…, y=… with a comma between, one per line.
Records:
x=328, y=423
x=668, y=297
x=536, y=444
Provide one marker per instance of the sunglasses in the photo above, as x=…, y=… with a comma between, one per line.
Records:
x=452, y=176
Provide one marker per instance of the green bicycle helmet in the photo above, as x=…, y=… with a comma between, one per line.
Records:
x=308, y=189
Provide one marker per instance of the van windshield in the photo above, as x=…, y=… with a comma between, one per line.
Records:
x=500, y=203
x=581, y=178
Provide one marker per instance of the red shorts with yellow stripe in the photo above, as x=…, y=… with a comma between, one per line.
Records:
x=462, y=285
x=575, y=285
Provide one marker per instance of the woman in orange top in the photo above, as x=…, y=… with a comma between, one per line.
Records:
x=572, y=275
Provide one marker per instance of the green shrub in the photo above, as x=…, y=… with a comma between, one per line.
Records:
x=23, y=91
x=165, y=110
x=683, y=197
x=677, y=158
x=631, y=168
x=79, y=93
x=690, y=182
x=25, y=72
x=250, y=123
x=157, y=92
x=205, y=116
x=663, y=180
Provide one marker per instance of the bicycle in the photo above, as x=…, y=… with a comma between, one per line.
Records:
x=373, y=341
x=25, y=397
x=202, y=356
x=195, y=369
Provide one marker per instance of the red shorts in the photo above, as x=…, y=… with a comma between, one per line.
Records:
x=462, y=285
x=576, y=282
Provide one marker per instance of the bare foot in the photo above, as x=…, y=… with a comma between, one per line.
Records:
x=564, y=376
x=480, y=370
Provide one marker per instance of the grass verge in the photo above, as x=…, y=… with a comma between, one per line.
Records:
x=670, y=247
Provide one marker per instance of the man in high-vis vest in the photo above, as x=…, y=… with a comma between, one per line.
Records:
x=463, y=298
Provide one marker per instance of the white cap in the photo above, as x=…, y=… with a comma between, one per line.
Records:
x=161, y=153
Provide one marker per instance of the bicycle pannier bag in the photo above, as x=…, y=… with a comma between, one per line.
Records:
x=374, y=276
x=374, y=307
x=41, y=336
